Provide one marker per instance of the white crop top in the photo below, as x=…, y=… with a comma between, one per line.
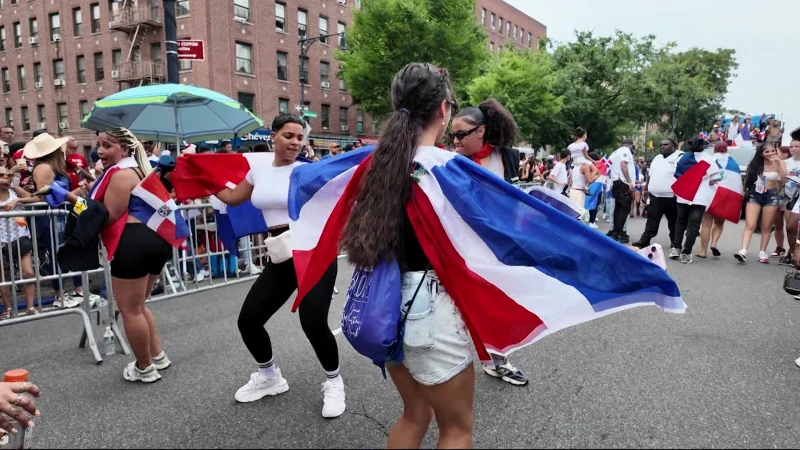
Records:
x=772, y=176
x=271, y=190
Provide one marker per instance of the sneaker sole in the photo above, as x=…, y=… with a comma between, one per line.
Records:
x=491, y=372
x=514, y=382
x=335, y=414
x=277, y=390
x=740, y=258
x=147, y=380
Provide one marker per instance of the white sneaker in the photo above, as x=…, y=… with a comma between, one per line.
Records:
x=260, y=386
x=200, y=276
x=133, y=374
x=333, y=399
x=254, y=270
x=674, y=253
x=763, y=257
x=593, y=225
x=741, y=256
x=161, y=362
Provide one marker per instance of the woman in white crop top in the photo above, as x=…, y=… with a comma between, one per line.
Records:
x=267, y=186
x=579, y=150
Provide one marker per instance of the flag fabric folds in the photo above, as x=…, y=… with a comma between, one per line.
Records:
x=152, y=205
x=111, y=234
x=694, y=171
x=482, y=236
x=726, y=201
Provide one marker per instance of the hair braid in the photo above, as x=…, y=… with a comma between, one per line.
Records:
x=128, y=140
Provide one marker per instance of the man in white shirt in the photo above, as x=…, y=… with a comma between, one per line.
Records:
x=623, y=174
x=659, y=190
x=559, y=175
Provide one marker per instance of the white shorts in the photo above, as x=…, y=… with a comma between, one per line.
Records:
x=436, y=343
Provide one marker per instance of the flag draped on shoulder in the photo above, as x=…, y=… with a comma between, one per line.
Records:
x=694, y=171
x=111, y=234
x=482, y=236
x=726, y=201
x=152, y=205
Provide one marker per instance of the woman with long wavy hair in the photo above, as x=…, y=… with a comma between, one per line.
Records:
x=765, y=174
x=436, y=381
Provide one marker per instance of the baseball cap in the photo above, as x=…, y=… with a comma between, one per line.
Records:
x=627, y=142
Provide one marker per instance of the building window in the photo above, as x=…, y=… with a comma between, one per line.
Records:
x=324, y=72
x=84, y=107
x=182, y=8
x=529, y=39
x=33, y=25
x=2, y=39
x=325, y=115
x=10, y=117
x=99, y=73
x=241, y=9
x=522, y=35
x=40, y=114
x=302, y=23
x=341, y=29
x=62, y=113
x=58, y=69
x=359, y=121
x=280, y=17
x=155, y=54
x=500, y=25
x=77, y=22
x=21, y=78
x=323, y=28
x=304, y=71
x=483, y=17
x=37, y=72
x=95, y=18
x=508, y=28
x=342, y=117
x=491, y=21
x=6, y=81
x=17, y=35
x=248, y=101
x=515, y=33
x=80, y=63
x=283, y=68
x=283, y=106
x=26, y=119
x=14, y=2
x=244, y=58
x=342, y=86
x=55, y=26
x=491, y=46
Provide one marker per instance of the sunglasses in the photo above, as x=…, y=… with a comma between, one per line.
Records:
x=461, y=134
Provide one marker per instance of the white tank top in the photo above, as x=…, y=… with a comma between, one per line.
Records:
x=578, y=180
x=270, y=189
x=576, y=150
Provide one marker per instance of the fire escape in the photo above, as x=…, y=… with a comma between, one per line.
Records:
x=137, y=20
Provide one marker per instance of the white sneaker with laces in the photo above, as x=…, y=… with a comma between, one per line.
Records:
x=200, y=276
x=254, y=270
x=741, y=256
x=333, y=399
x=674, y=253
x=133, y=374
x=763, y=257
x=161, y=362
x=593, y=225
x=260, y=386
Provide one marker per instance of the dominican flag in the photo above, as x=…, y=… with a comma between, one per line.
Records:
x=111, y=234
x=152, y=205
x=482, y=237
x=235, y=222
x=726, y=202
x=694, y=172
x=603, y=165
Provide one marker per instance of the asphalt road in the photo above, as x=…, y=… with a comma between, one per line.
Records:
x=721, y=375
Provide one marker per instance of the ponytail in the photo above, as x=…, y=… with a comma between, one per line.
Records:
x=501, y=129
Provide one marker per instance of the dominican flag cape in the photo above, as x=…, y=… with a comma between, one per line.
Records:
x=517, y=268
x=152, y=205
x=726, y=202
x=198, y=176
x=111, y=234
x=693, y=173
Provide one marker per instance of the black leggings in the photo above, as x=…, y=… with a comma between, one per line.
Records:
x=690, y=217
x=270, y=291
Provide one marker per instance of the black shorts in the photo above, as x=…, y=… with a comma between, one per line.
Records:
x=19, y=248
x=141, y=252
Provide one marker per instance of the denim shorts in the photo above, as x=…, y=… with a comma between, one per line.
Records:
x=436, y=344
x=768, y=198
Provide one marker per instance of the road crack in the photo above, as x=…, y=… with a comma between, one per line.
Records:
x=383, y=428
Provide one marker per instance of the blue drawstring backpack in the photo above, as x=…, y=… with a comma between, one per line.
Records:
x=372, y=320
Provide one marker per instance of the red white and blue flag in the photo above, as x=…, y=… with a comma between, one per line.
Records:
x=726, y=202
x=483, y=236
x=694, y=172
x=152, y=205
x=111, y=234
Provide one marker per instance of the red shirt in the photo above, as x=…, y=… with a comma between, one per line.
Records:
x=78, y=161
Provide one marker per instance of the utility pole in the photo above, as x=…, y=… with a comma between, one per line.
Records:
x=171, y=41
x=305, y=44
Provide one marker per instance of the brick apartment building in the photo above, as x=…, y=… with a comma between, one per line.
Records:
x=58, y=57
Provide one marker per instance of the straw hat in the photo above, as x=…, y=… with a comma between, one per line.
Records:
x=43, y=145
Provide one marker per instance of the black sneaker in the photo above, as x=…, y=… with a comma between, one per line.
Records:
x=624, y=238
x=786, y=261
x=507, y=373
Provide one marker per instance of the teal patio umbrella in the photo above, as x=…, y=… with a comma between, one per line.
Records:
x=167, y=112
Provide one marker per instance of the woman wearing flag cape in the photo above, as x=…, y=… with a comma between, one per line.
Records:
x=472, y=237
x=137, y=252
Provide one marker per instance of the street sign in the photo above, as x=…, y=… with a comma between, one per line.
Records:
x=310, y=114
x=191, y=50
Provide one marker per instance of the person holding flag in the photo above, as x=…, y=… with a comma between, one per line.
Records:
x=142, y=228
x=725, y=204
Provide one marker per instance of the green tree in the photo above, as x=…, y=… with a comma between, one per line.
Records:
x=523, y=82
x=388, y=34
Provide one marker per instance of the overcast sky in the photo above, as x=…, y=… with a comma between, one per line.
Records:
x=766, y=38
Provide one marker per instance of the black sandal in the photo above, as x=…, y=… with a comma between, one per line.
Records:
x=715, y=251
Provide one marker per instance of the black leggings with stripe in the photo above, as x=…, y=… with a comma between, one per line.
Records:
x=271, y=291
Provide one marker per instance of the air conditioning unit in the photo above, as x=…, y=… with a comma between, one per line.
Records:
x=38, y=85
x=63, y=125
x=56, y=38
x=115, y=74
x=326, y=84
x=239, y=19
x=341, y=2
x=344, y=128
x=112, y=24
x=41, y=126
x=34, y=40
x=59, y=82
